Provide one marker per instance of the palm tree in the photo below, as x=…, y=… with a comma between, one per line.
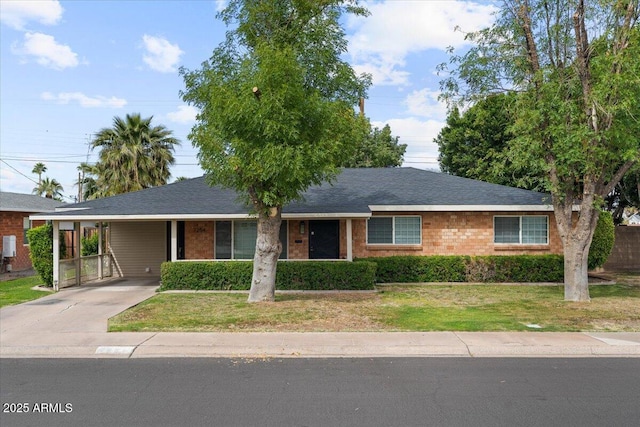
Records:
x=39, y=168
x=49, y=188
x=89, y=184
x=133, y=155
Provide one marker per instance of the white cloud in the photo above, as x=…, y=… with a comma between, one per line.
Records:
x=185, y=114
x=395, y=29
x=84, y=100
x=418, y=134
x=46, y=51
x=221, y=4
x=16, y=14
x=161, y=55
x=424, y=103
x=384, y=72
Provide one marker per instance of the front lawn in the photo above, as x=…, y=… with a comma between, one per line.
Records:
x=17, y=291
x=397, y=308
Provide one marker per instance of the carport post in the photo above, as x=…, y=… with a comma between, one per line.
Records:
x=77, y=230
x=100, y=272
x=56, y=255
x=174, y=240
x=349, y=240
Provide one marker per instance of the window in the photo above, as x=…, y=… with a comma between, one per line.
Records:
x=394, y=230
x=223, y=240
x=237, y=239
x=26, y=226
x=526, y=230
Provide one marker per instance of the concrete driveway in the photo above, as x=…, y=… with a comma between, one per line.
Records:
x=73, y=317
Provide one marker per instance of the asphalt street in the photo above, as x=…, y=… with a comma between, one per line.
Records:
x=321, y=392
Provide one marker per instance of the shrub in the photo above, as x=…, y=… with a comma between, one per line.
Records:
x=206, y=275
x=90, y=245
x=411, y=269
x=41, y=251
x=236, y=275
x=515, y=268
x=507, y=268
x=325, y=275
x=603, y=239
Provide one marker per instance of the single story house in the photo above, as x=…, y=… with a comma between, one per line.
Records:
x=363, y=213
x=15, y=209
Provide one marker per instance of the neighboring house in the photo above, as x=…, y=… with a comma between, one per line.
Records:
x=15, y=210
x=364, y=213
x=634, y=219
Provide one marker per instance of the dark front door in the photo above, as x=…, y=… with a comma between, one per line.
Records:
x=324, y=239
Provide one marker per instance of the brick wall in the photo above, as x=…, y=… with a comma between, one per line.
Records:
x=625, y=255
x=443, y=233
x=199, y=239
x=11, y=224
x=298, y=243
x=455, y=233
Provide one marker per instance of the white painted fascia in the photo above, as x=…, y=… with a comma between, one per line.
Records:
x=460, y=208
x=190, y=217
x=326, y=215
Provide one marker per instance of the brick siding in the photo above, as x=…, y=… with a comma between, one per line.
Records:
x=443, y=233
x=199, y=239
x=11, y=225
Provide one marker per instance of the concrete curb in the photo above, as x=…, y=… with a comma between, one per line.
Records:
x=327, y=345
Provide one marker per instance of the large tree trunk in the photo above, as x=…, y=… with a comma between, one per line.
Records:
x=265, y=260
x=576, y=278
x=576, y=235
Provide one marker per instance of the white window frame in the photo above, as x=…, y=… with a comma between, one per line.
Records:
x=393, y=230
x=25, y=239
x=520, y=229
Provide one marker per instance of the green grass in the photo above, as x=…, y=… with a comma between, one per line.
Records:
x=19, y=290
x=396, y=308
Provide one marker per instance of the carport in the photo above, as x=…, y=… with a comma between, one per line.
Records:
x=79, y=268
x=131, y=247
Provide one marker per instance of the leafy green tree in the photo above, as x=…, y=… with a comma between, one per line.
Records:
x=39, y=168
x=276, y=104
x=475, y=144
x=134, y=155
x=575, y=68
x=49, y=188
x=378, y=149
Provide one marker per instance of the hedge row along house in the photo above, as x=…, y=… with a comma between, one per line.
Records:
x=363, y=213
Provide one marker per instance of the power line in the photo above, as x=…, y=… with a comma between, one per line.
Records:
x=28, y=177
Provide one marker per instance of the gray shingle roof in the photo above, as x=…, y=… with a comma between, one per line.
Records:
x=16, y=202
x=353, y=191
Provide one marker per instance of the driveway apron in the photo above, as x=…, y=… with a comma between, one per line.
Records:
x=73, y=315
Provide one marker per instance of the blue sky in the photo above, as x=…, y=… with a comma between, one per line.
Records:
x=68, y=67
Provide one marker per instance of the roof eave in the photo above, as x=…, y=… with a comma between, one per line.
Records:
x=461, y=208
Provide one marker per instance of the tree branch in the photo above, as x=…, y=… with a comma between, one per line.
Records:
x=608, y=188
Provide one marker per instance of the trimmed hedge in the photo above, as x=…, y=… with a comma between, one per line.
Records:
x=516, y=268
x=41, y=251
x=506, y=268
x=413, y=269
x=236, y=275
